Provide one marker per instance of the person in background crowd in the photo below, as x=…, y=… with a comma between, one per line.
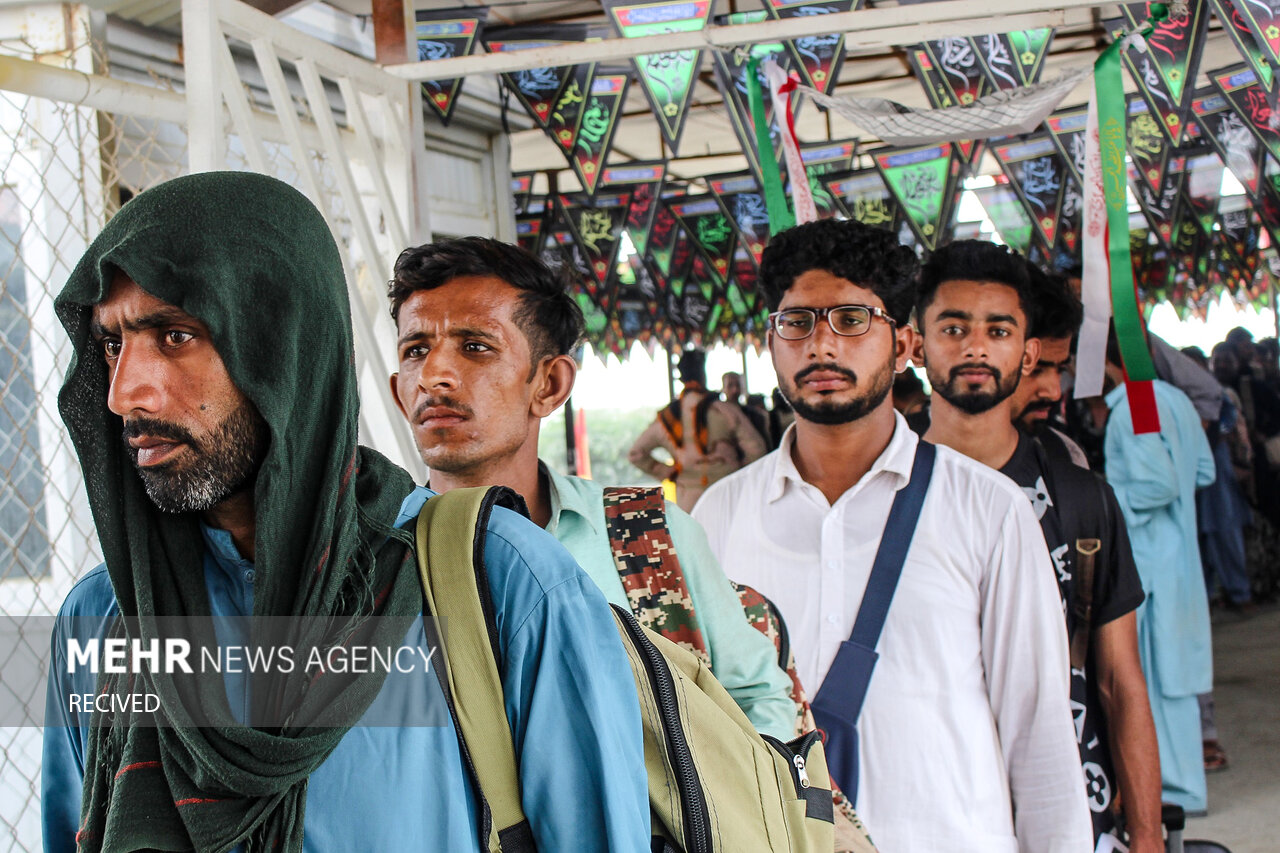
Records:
x=781, y=416
x=706, y=438
x=1155, y=476
x=759, y=415
x=731, y=392
x=486, y=330
x=908, y=393
x=965, y=734
x=1236, y=364
x=989, y=320
x=211, y=332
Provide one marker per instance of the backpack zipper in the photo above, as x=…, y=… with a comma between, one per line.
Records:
x=795, y=753
x=697, y=822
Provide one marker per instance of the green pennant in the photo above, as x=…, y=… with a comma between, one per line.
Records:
x=1006, y=211
x=667, y=78
x=919, y=178
x=596, y=127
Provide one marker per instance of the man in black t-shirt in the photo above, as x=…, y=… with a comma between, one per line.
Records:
x=975, y=305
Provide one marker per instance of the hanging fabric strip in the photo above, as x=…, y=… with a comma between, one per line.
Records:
x=1139, y=370
x=780, y=88
x=1095, y=290
x=775, y=199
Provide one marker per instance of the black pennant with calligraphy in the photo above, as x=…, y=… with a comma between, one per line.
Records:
x=731, y=79
x=817, y=57
x=1239, y=85
x=667, y=78
x=596, y=126
x=1241, y=31
x=564, y=122
x=531, y=224
x=536, y=88
x=596, y=225
x=1067, y=128
x=864, y=196
x=444, y=34
x=664, y=237
x=1236, y=145
x=1148, y=146
x=1165, y=67
x=710, y=229
x=522, y=190
x=950, y=71
x=644, y=178
x=1160, y=205
x=743, y=203
x=1013, y=60
x=1039, y=176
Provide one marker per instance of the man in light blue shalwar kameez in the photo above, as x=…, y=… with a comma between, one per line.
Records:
x=1155, y=477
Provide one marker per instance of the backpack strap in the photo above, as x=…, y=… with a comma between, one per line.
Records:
x=648, y=566
x=450, y=537
x=1086, y=568
x=838, y=703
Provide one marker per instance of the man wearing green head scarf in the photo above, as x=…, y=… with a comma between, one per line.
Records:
x=212, y=400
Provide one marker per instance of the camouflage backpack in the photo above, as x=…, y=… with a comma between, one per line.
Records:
x=659, y=597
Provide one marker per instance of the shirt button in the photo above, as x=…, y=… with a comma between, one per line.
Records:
x=833, y=619
x=249, y=575
x=831, y=564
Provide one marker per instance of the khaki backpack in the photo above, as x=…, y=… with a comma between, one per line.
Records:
x=715, y=784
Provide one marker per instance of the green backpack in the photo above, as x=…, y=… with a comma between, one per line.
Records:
x=715, y=784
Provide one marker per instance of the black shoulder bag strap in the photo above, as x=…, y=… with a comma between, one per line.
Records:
x=839, y=700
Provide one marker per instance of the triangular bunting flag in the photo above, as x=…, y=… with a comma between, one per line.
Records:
x=530, y=226
x=1067, y=128
x=1160, y=207
x=1067, y=251
x=522, y=190
x=663, y=240
x=1148, y=146
x=596, y=225
x=566, y=114
x=950, y=71
x=731, y=79
x=919, y=178
x=596, y=126
x=1038, y=175
x=710, y=229
x=817, y=57
x=864, y=196
x=1242, y=36
x=444, y=34
x=743, y=203
x=1237, y=146
x=1239, y=85
x=537, y=89
x=1013, y=60
x=645, y=180
x=1008, y=214
x=1165, y=69
x=667, y=78
x=1263, y=21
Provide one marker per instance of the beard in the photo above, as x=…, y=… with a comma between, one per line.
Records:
x=953, y=391
x=223, y=463
x=1034, y=426
x=829, y=411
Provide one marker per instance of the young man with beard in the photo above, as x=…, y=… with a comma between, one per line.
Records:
x=485, y=336
x=964, y=736
x=980, y=323
x=211, y=330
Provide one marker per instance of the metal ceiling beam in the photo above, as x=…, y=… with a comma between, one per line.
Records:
x=864, y=29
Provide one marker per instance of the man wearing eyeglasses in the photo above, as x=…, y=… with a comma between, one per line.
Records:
x=964, y=739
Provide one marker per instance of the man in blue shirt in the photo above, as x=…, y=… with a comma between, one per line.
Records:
x=485, y=336
x=211, y=330
x=1155, y=477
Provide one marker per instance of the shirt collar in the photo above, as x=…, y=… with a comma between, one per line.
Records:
x=223, y=549
x=897, y=459
x=563, y=497
x=1114, y=396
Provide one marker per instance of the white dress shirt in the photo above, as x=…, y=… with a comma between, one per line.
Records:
x=966, y=736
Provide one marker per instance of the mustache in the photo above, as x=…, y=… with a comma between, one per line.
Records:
x=974, y=365
x=1042, y=406
x=443, y=402
x=830, y=368
x=155, y=428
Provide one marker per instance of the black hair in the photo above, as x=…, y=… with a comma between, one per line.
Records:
x=1055, y=311
x=549, y=317
x=693, y=366
x=974, y=260
x=868, y=257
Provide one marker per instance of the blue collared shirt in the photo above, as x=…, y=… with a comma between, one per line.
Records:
x=570, y=699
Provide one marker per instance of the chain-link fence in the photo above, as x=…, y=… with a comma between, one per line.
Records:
x=64, y=170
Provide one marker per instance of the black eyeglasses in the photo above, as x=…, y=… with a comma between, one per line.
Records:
x=796, y=324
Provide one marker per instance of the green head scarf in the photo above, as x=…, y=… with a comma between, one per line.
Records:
x=254, y=260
